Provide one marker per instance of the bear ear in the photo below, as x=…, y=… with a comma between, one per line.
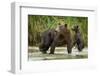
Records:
x=77, y=26
x=49, y=34
x=65, y=25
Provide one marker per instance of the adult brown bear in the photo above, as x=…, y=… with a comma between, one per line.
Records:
x=51, y=38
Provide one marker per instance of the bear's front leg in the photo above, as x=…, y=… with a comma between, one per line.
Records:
x=53, y=45
x=69, y=46
x=52, y=49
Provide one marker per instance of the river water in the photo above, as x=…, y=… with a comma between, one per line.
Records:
x=60, y=53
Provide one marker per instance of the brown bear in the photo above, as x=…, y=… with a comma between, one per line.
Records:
x=51, y=38
x=78, y=38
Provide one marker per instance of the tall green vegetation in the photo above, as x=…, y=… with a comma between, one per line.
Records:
x=38, y=24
